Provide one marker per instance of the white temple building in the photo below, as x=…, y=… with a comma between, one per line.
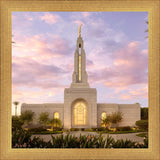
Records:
x=80, y=108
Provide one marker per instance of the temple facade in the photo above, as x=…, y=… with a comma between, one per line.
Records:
x=80, y=108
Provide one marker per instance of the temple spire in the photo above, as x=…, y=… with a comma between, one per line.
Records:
x=79, y=77
x=80, y=30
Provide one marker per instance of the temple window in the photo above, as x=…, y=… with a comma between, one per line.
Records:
x=103, y=116
x=56, y=115
x=80, y=113
x=80, y=68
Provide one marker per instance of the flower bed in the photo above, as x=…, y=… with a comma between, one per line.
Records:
x=22, y=139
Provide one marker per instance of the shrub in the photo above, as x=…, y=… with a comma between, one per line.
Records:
x=48, y=132
x=106, y=122
x=116, y=117
x=144, y=113
x=74, y=129
x=142, y=124
x=39, y=129
x=125, y=128
x=54, y=123
x=65, y=130
x=123, y=144
x=102, y=129
x=141, y=134
x=44, y=118
x=22, y=139
x=88, y=129
x=16, y=123
x=27, y=116
x=95, y=129
x=57, y=129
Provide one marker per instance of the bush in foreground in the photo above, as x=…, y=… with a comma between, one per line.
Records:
x=125, y=128
x=142, y=124
x=22, y=139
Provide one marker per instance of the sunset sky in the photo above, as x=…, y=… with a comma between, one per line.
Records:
x=43, y=55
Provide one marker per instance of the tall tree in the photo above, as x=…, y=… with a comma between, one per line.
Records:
x=44, y=118
x=116, y=117
x=27, y=116
x=144, y=113
x=147, y=29
x=16, y=104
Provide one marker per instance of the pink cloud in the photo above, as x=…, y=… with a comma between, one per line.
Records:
x=133, y=94
x=145, y=51
x=30, y=73
x=78, y=22
x=86, y=14
x=143, y=92
x=29, y=18
x=125, y=97
x=31, y=95
x=50, y=18
x=129, y=67
x=43, y=49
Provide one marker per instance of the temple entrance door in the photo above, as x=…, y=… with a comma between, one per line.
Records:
x=80, y=114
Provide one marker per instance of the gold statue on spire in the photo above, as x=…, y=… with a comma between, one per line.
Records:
x=80, y=30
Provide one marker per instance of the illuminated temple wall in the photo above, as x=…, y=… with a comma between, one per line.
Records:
x=51, y=108
x=130, y=112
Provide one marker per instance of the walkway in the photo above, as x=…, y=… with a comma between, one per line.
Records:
x=129, y=136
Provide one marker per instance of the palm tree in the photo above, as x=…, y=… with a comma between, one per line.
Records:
x=13, y=41
x=55, y=122
x=146, y=29
x=16, y=104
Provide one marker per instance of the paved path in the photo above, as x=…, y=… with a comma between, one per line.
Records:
x=130, y=136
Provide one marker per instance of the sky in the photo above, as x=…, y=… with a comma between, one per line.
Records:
x=116, y=50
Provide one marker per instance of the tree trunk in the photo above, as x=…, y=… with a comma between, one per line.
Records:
x=52, y=127
x=16, y=111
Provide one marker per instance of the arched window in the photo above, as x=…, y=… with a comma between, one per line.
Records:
x=56, y=115
x=103, y=116
x=80, y=113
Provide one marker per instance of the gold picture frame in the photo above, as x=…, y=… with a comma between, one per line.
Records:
x=150, y=6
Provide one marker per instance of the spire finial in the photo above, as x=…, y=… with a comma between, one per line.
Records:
x=80, y=30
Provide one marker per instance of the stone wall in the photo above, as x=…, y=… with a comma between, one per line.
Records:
x=130, y=112
x=108, y=108
x=46, y=107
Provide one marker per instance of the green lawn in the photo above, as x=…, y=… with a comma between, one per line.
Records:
x=47, y=132
x=101, y=132
x=141, y=134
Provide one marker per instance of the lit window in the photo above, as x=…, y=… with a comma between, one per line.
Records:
x=79, y=67
x=56, y=115
x=80, y=114
x=103, y=116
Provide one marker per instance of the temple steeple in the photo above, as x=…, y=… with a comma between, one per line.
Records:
x=79, y=77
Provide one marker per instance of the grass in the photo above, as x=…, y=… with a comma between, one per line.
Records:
x=120, y=132
x=141, y=134
x=48, y=132
x=90, y=130
x=109, y=132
